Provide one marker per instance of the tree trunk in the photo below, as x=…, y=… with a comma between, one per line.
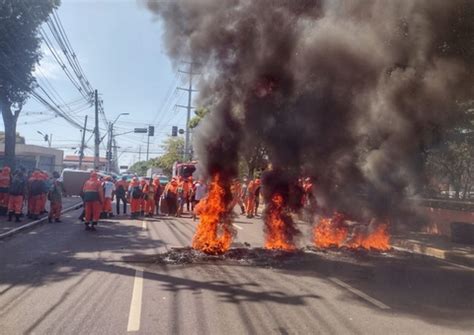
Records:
x=9, y=122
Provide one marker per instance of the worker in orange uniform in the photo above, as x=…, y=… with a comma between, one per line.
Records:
x=5, y=179
x=16, y=195
x=256, y=192
x=142, y=200
x=109, y=189
x=171, y=196
x=181, y=196
x=55, y=196
x=35, y=191
x=236, y=190
x=93, y=200
x=43, y=176
x=158, y=192
x=250, y=201
x=149, y=198
x=121, y=188
x=135, y=195
x=188, y=186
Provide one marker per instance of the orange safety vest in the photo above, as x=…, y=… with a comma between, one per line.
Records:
x=93, y=190
x=4, y=180
x=149, y=190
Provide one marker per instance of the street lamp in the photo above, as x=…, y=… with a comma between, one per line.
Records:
x=46, y=137
x=109, y=144
x=119, y=116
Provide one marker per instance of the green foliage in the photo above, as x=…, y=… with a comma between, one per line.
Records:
x=173, y=148
x=20, y=46
x=199, y=114
x=19, y=54
x=452, y=159
x=141, y=167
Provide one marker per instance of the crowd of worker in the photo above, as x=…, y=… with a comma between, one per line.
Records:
x=147, y=196
x=31, y=190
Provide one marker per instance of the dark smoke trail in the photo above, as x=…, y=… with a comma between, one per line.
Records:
x=348, y=92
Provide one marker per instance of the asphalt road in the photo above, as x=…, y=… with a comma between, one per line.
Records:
x=60, y=279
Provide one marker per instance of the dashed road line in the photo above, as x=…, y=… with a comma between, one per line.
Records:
x=360, y=294
x=144, y=225
x=237, y=226
x=134, y=315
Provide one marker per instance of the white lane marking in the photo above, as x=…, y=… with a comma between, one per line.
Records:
x=136, y=304
x=237, y=226
x=360, y=294
x=144, y=225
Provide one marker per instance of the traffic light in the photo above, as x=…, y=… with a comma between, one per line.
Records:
x=108, y=155
x=174, y=131
x=151, y=130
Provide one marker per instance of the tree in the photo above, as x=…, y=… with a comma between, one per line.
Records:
x=254, y=158
x=174, y=148
x=452, y=159
x=141, y=167
x=199, y=114
x=19, y=53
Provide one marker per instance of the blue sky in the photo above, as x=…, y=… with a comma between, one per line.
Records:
x=119, y=46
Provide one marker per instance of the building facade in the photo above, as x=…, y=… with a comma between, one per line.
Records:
x=35, y=157
x=72, y=162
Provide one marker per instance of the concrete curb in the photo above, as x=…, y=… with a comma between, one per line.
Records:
x=450, y=256
x=37, y=222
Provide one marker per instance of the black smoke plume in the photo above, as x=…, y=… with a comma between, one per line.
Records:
x=348, y=92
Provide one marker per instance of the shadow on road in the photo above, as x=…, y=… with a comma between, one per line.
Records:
x=415, y=286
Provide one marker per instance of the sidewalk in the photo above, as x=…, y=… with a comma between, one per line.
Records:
x=6, y=226
x=435, y=246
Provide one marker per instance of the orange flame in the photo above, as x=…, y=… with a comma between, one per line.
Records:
x=331, y=232
x=275, y=234
x=379, y=239
x=214, y=233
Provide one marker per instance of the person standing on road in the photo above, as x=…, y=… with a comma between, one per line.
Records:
x=236, y=190
x=16, y=196
x=158, y=192
x=93, y=200
x=171, y=196
x=109, y=189
x=250, y=202
x=142, y=200
x=135, y=195
x=199, y=194
x=35, y=190
x=44, y=191
x=180, y=196
x=188, y=185
x=121, y=188
x=149, y=198
x=5, y=180
x=257, y=195
x=55, y=196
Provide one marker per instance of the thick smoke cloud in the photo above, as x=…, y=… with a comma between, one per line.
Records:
x=348, y=92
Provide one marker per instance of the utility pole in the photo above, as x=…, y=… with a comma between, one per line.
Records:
x=115, y=156
x=81, y=154
x=148, y=145
x=96, y=132
x=109, y=147
x=190, y=91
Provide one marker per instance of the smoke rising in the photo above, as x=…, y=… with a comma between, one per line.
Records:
x=348, y=92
